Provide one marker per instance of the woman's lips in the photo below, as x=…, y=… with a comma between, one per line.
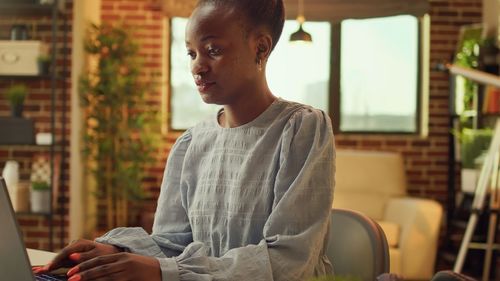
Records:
x=203, y=86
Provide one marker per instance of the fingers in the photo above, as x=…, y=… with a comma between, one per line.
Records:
x=96, y=268
x=120, y=266
x=71, y=254
x=37, y=269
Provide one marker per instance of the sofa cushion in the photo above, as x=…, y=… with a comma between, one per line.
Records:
x=365, y=180
x=370, y=204
x=391, y=231
x=396, y=265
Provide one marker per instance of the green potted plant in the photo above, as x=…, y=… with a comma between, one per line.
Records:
x=40, y=197
x=121, y=128
x=44, y=62
x=473, y=143
x=16, y=94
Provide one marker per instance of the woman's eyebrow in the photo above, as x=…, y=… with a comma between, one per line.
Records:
x=203, y=39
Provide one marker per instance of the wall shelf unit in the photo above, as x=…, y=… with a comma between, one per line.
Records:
x=56, y=86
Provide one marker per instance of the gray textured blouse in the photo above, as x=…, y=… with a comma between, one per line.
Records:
x=245, y=203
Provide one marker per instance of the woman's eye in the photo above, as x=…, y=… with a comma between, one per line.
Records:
x=214, y=51
x=191, y=54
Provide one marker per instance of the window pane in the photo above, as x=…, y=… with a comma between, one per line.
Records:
x=294, y=72
x=186, y=105
x=379, y=72
x=300, y=71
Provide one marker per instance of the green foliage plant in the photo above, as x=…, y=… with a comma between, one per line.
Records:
x=473, y=143
x=468, y=56
x=44, y=58
x=16, y=94
x=40, y=185
x=121, y=129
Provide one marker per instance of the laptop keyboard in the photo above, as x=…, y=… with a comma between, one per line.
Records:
x=44, y=277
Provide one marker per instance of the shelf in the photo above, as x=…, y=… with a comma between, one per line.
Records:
x=28, y=147
x=467, y=113
x=25, y=10
x=33, y=214
x=491, y=114
x=16, y=77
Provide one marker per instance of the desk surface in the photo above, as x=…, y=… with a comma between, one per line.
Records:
x=38, y=257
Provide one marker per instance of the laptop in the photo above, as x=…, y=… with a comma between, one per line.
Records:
x=14, y=262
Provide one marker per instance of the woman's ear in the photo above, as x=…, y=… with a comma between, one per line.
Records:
x=264, y=46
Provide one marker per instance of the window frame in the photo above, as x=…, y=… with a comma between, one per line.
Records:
x=334, y=95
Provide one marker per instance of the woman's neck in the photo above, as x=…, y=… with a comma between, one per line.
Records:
x=246, y=109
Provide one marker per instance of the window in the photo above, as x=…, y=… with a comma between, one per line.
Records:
x=379, y=75
x=370, y=84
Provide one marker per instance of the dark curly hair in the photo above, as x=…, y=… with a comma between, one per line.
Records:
x=268, y=13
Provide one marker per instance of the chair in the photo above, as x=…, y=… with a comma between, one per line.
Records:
x=374, y=183
x=357, y=246
x=448, y=275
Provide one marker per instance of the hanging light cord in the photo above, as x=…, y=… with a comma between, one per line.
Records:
x=300, y=18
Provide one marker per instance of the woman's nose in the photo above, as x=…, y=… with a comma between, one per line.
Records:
x=198, y=66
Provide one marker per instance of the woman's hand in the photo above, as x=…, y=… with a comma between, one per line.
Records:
x=121, y=266
x=77, y=252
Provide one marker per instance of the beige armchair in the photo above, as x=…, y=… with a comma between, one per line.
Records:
x=374, y=183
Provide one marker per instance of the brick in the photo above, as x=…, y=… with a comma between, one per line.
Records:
x=37, y=234
x=346, y=143
x=110, y=17
x=128, y=7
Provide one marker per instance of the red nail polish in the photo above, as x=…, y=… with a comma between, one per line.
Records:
x=76, y=277
x=72, y=271
x=47, y=266
x=74, y=256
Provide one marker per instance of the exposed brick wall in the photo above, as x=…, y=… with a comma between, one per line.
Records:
x=38, y=108
x=425, y=159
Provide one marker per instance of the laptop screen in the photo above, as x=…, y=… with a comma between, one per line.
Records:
x=14, y=263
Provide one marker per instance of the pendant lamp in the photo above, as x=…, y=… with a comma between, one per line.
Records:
x=301, y=35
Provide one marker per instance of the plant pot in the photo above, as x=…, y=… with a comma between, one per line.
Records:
x=16, y=110
x=43, y=68
x=40, y=201
x=469, y=180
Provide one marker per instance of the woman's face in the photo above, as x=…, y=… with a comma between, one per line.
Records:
x=223, y=56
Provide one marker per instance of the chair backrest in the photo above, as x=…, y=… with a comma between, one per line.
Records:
x=357, y=246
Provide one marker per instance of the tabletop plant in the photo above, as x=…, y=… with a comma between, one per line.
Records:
x=121, y=129
x=44, y=61
x=16, y=94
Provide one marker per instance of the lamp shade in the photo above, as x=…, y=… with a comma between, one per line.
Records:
x=300, y=35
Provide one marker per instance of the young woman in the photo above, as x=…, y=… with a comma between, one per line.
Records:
x=246, y=195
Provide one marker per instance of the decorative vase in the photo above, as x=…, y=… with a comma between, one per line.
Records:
x=40, y=201
x=469, y=180
x=19, y=32
x=11, y=175
x=23, y=196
